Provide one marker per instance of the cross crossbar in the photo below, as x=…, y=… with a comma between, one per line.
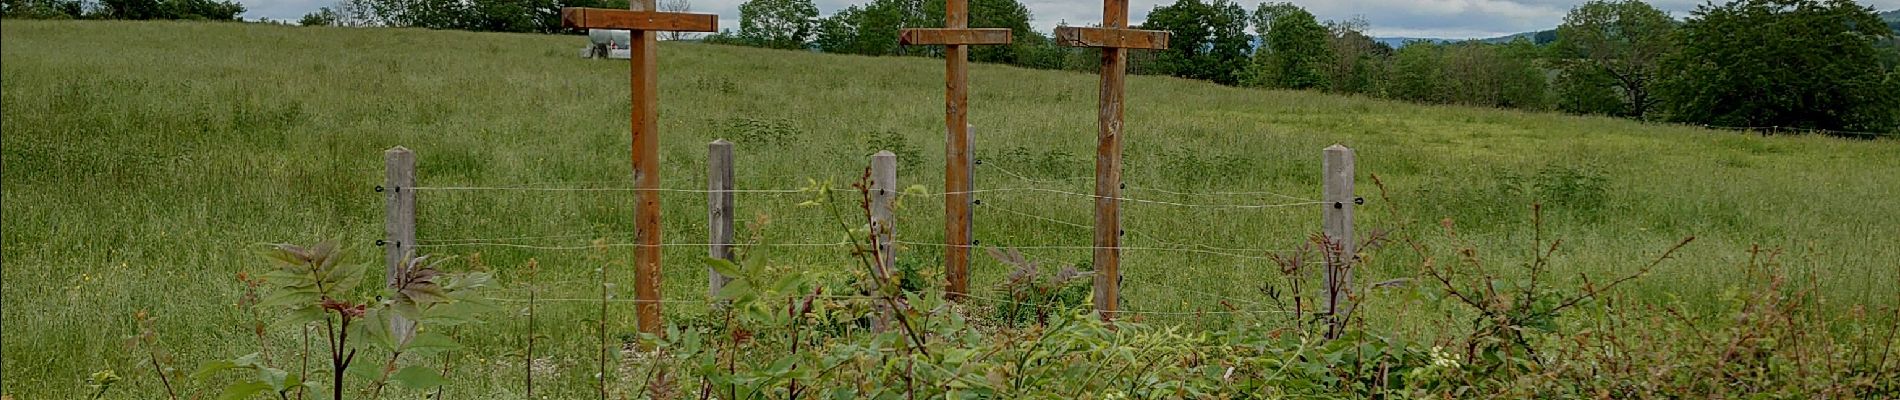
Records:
x=954, y=36
x=1111, y=37
x=606, y=18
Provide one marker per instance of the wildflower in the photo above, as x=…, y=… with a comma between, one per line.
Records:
x=1442, y=359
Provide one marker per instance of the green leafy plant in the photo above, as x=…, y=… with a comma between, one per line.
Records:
x=100, y=382
x=312, y=286
x=1034, y=295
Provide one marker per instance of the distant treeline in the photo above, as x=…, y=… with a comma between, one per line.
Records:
x=215, y=10
x=1795, y=65
x=1792, y=65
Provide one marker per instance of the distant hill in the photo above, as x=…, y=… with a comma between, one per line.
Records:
x=1892, y=18
x=1538, y=37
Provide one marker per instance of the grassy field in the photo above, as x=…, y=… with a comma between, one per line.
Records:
x=145, y=163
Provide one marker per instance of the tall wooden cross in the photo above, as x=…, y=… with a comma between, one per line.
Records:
x=956, y=36
x=1114, y=38
x=644, y=24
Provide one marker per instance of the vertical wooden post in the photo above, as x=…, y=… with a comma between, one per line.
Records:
x=646, y=172
x=399, y=222
x=884, y=226
x=883, y=220
x=1108, y=168
x=956, y=257
x=718, y=210
x=1339, y=203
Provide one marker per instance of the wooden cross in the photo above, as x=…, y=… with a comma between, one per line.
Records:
x=955, y=36
x=1114, y=38
x=644, y=24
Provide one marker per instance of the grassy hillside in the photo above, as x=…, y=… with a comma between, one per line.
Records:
x=144, y=163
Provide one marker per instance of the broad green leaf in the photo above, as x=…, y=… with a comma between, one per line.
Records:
x=252, y=360
x=211, y=369
x=734, y=289
x=290, y=297
x=243, y=390
x=431, y=342
x=365, y=369
x=274, y=377
x=373, y=327
x=415, y=377
x=723, y=266
x=469, y=280
x=346, y=277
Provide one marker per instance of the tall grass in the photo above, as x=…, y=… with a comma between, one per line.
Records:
x=144, y=161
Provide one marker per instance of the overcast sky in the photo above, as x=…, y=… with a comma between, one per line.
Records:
x=1452, y=19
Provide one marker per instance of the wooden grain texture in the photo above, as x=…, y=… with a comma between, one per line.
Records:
x=947, y=36
x=645, y=78
x=718, y=210
x=1074, y=36
x=1108, y=160
x=883, y=221
x=603, y=18
x=1339, y=204
x=884, y=227
x=399, y=223
x=957, y=235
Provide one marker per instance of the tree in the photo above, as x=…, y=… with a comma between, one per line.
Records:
x=1265, y=14
x=678, y=6
x=870, y=29
x=777, y=24
x=990, y=14
x=1357, y=59
x=1494, y=75
x=1209, y=40
x=1624, y=40
x=42, y=9
x=1417, y=73
x=1294, y=52
x=1588, y=91
x=322, y=17
x=1787, y=63
x=132, y=9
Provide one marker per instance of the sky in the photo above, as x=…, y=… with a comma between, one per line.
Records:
x=1449, y=19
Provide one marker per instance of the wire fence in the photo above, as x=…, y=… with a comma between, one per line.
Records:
x=1217, y=291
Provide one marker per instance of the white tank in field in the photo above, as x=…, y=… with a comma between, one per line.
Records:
x=607, y=43
x=610, y=37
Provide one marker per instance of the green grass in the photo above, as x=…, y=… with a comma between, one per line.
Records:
x=146, y=161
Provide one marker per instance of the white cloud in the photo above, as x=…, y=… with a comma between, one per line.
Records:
x=1414, y=18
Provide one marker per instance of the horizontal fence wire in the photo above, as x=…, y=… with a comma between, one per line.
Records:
x=1132, y=231
x=1018, y=176
x=786, y=191
x=1136, y=200
x=1059, y=247
x=990, y=300
x=601, y=189
x=611, y=245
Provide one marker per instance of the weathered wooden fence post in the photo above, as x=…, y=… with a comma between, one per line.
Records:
x=958, y=215
x=718, y=210
x=884, y=227
x=399, y=222
x=1339, y=203
x=883, y=220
